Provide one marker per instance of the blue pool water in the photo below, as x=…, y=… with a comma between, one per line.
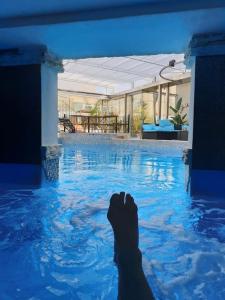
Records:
x=56, y=243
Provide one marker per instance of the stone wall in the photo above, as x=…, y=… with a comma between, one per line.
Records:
x=50, y=161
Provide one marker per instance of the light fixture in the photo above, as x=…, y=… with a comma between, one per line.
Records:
x=171, y=64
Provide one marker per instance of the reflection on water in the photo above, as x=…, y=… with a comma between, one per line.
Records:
x=56, y=243
x=211, y=221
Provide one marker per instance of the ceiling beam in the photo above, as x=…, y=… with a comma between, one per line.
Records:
x=158, y=7
x=82, y=93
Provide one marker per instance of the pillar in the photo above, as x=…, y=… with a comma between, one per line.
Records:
x=160, y=101
x=125, y=108
x=131, y=115
x=167, y=100
x=28, y=123
x=207, y=136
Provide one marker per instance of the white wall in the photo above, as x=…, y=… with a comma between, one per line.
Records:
x=49, y=103
x=183, y=91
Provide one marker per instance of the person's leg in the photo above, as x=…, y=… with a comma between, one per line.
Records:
x=122, y=215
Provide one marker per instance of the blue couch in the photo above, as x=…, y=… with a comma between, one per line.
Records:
x=164, y=125
x=165, y=131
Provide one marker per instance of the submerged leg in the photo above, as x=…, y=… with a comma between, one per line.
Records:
x=122, y=215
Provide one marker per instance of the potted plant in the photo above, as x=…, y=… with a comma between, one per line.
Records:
x=178, y=119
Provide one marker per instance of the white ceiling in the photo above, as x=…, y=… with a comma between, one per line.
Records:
x=116, y=74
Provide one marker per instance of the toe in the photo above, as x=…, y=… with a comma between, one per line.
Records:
x=122, y=197
x=116, y=201
x=130, y=204
x=116, y=204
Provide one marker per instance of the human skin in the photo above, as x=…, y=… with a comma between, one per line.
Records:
x=123, y=217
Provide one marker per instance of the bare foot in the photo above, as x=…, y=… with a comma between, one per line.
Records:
x=122, y=215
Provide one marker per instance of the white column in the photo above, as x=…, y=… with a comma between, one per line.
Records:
x=49, y=106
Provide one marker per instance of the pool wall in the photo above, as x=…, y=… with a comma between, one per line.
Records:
x=168, y=147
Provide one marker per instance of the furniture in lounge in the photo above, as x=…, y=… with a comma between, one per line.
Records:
x=166, y=135
x=164, y=131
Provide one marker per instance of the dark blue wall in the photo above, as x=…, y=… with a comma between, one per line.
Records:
x=20, y=121
x=209, y=114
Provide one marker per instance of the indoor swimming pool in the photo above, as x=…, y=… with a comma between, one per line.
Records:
x=56, y=242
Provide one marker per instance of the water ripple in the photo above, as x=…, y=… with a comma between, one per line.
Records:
x=56, y=243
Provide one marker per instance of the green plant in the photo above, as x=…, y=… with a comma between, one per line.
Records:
x=136, y=124
x=96, y=110
x=178, y=119
x=143, y=113
x=139, y=117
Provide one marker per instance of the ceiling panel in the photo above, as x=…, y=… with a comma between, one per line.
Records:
x=120, y=72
